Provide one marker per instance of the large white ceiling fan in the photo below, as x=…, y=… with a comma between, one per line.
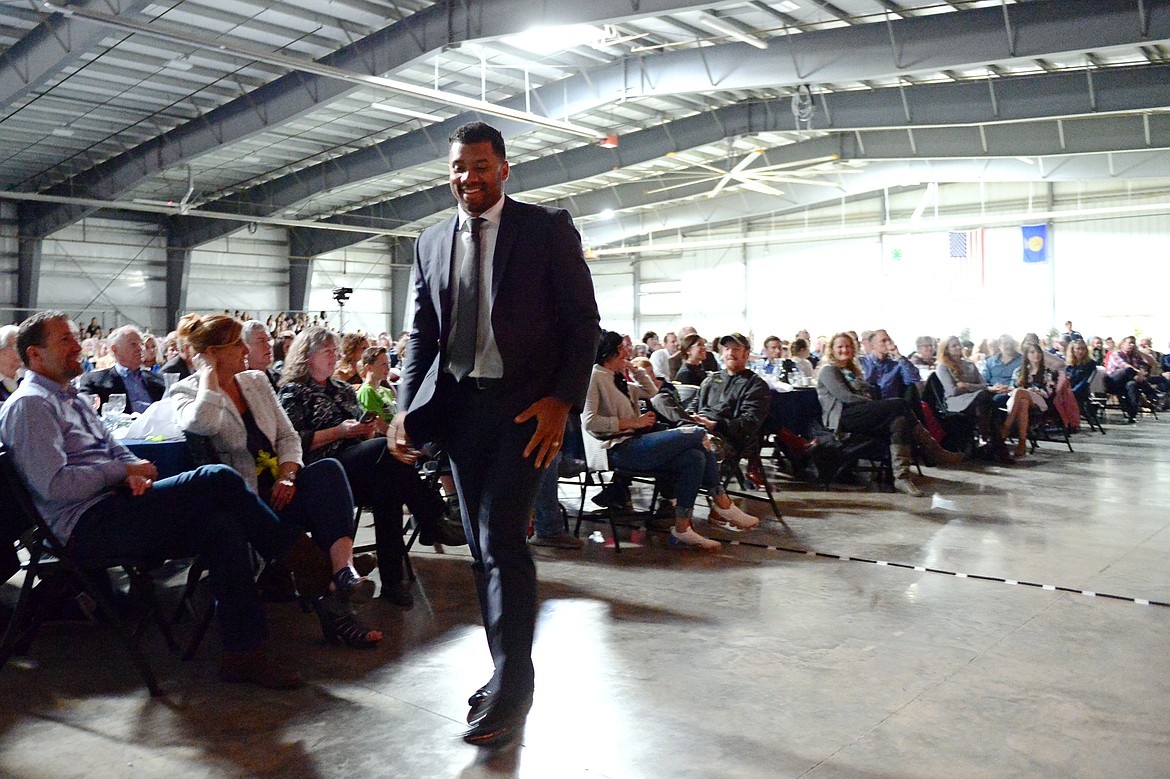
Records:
x=760, y=179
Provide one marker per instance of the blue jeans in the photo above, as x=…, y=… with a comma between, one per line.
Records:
x=679, y=452
x=548, y=520
x=322, y=504
x=208, y=511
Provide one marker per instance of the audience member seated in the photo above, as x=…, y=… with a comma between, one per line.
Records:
x=151, y=354
x=126, y=377
x=967, y=393
x=847, y=406
x=694, y=354
x=180, y=361
x=771, y=362
x=102, y=501
x=1052, y=360
x=1127, y=377
x=259, y=343
x=325, y=412
x=733, y=404
x=660, y=359
x=619, y=436
x=886, y=368
x=1097, y=351
x=352, y=347
x=1000, y=367
x=1154, y=359
x=237, y=410
x=651, y=342
x=800, y=357
x=924, y=352
x=9, y=362
x=1035, y=387
x=374, y=395
x=1080, y=370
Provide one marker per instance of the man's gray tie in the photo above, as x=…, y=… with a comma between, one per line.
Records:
x=461, y=351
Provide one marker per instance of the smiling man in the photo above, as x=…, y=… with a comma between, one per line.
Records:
x=490, y=281
x=126, y=377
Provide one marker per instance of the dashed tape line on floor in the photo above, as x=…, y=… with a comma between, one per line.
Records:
x=943, y=571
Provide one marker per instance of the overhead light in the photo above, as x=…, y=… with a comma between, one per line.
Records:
x=610, y=141
x=551, y=40
x=393, y=109
x=252, y=159
x=62, y=132
x=787, y=6
x=732, y=32
x=1026, y=160
x=606, y=214
x=180, y=63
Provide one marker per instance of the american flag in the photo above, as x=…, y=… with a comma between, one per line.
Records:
x=959, y=243
x=966, y=246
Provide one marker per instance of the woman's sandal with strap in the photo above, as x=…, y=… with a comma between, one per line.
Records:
x=344, y=627
x=356, y=589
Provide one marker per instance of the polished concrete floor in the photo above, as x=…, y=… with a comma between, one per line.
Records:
x=757, y=661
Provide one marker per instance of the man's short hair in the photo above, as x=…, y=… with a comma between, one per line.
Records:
x=249, y=329
x=32, y=331
x=770, y=339
x=867, y=335
x=735, y=338
x=116, y=337
x=478, y=132
x=923, y=340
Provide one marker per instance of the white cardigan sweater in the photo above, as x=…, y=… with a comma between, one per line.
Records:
x=605, y=407
x=212, y=414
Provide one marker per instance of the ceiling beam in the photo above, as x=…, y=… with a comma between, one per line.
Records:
x=903, y=47
x=51, y=46
x=741, y=206
x=1030, y=97
x=284, y=99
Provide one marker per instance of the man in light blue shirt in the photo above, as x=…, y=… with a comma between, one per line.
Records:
x=126, y=377
x=102, y=501
x=886, y=368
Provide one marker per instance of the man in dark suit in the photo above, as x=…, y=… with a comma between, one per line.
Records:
x=505, y=328
x=126, y=377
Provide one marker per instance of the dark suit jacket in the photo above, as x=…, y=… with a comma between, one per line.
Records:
x=176, y=365
x=107, y=382
x=4, y=393
x=544, y=314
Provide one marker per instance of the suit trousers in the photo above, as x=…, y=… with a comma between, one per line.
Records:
x=497, y=488
x=208, y=511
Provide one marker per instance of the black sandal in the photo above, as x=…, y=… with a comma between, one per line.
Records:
x=356, y=589
x=344, y=627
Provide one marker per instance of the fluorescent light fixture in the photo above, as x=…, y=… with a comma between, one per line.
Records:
x=181, y=63
x=731, y=32
x=787, y=6
x=62, y=132
x=252, y=159
x=551, y=40
x=606, y=214
x=390, y=108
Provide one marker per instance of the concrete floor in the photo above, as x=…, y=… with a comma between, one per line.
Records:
x=750, y=663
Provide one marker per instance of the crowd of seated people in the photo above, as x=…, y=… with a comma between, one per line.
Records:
x=293, y=447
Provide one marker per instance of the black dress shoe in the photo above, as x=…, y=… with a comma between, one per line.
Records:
x=478, y=703
x=501, y=724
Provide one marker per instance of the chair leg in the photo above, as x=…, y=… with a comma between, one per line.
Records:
x=19, y=635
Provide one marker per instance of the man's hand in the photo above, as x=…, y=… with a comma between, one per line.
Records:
x=137, y=484
x=551, y=414
x=398, y=442
x=143, y=469
x=705, y=422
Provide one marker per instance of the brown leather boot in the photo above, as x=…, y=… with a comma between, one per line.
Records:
x=255, y=667
x=310, y=568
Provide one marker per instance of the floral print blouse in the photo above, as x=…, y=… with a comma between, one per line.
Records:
x=311, y=407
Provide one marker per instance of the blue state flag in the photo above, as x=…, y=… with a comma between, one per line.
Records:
x=1035, y=243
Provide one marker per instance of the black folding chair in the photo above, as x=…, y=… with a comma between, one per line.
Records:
x=52, y=568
